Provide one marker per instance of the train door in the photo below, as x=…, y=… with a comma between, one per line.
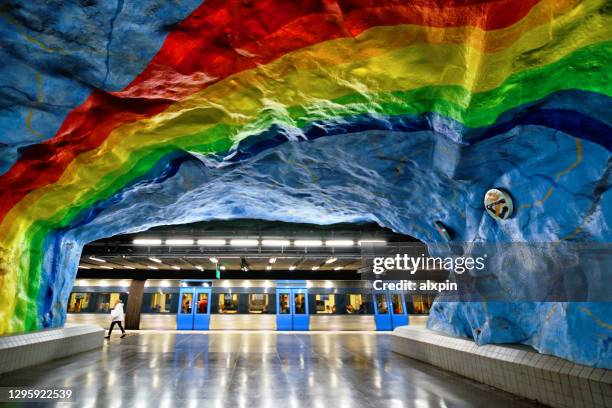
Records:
x=399, y=315
x=301, y=315
x=292, y=311
x=284, y=309
x=201, y=316
x=184, y=317
x=382, y=315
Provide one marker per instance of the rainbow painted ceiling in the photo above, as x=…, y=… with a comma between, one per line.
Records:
x=120, y=117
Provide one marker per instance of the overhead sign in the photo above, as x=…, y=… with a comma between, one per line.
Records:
x=498, y=204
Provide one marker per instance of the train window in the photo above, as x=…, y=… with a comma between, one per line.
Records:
x=78, y=302
x=186, y=303
x=300, y=306
x=159, y=303
x=106, y=301
x=228, y=303
x=258, y=303
x=283, y=302
x=381, y=304
x=421, y=303
x=202, y=307
x=326, y=304
x=398, y=305
x=355, y=304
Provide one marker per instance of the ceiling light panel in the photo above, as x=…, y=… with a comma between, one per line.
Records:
x=211, y=242
x=147, y=241
x=372, y=242
x=339, y=243
x=276, y=242
x=244, y=242
x=179, y=242
x=308, y=243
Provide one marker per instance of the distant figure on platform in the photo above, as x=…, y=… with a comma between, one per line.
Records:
x=117, y=316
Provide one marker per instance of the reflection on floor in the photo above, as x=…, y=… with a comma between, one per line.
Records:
x=256, y=369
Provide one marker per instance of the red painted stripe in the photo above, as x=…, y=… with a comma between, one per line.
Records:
x=221, y=38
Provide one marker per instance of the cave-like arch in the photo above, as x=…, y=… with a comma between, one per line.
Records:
x=328, y=112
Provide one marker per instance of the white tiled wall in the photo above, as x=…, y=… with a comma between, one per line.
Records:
x=28, y=349
x=513, y=368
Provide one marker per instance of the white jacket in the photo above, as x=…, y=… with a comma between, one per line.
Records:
x=117, y=313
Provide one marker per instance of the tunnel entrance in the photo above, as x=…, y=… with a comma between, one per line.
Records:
x=242, y=274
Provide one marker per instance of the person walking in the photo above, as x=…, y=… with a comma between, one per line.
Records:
x=117, y=316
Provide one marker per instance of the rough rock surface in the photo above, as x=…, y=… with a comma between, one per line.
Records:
x=403, y=117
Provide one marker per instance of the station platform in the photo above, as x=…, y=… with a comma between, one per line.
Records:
x=256, y=369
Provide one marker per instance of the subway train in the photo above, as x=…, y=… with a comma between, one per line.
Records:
x=232, y=304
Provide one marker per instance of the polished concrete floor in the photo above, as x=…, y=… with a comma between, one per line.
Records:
x=256, y=369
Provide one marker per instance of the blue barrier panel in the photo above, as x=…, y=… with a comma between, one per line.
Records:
x=382, y=315
x=301, y=315
x=201, y=317
x=284, y=309
x=399, y=314
x=184, y=317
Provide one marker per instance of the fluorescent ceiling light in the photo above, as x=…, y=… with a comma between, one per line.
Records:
x=331, y=260
x=276, y=242
x=152, y=267
x=128, y=267
x=154, y=259
x=222, y=267
x=338, y=268
x=147, y=241
x=211, y=242
x=268, y=268
x=213, y=260
x=106, y=267
x=179, y=242
x=244, y=242
x=178, y=268
x=84, y=267
x=339, y=242
x=198, y=267
x=308, y=242
x=314, y=268
x=93, y=258
x=272, y=260
x=372, y=242
x=292, y=268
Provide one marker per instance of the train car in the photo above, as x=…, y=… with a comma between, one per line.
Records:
x=232, y=304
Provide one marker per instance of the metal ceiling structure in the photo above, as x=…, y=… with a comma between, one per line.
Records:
x=236, y=248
